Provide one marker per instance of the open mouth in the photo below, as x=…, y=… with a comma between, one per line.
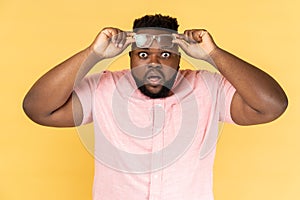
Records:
x=154, y=79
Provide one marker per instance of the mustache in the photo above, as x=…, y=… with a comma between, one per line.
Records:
x=167, y=83
x=164, y=92
x=154, y=71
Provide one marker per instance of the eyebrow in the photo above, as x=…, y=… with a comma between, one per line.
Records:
x=143, y=49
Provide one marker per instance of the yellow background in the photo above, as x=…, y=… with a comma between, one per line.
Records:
x=258, y=162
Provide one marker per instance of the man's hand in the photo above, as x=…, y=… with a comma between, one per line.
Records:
x=110, y=42
x=196, y=43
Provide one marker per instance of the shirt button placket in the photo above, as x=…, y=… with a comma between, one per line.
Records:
x=157, y=147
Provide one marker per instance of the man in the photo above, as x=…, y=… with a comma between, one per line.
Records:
x=155, y=125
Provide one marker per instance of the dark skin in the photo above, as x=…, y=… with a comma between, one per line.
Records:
x=161, y=63
x=258, y=98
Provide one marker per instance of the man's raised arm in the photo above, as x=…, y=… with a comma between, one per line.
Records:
x=258, y=97
x=51, y=101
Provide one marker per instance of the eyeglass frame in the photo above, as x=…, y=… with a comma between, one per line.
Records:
x=156, y=37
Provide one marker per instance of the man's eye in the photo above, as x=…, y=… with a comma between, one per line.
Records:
x=143, y=55
x=165, y=54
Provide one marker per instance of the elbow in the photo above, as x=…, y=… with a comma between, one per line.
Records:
x=28, y=109
x=283, y=106
x=31, y=111
x=277, y=108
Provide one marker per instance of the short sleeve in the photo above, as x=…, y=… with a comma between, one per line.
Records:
x=226, y=92
x=222, y=92
x=85, y=91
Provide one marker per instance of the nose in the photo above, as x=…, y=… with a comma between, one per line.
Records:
x=154, y=66
x=154, y=61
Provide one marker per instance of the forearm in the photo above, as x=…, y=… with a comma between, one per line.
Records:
x=257, y=89
x=54, y=88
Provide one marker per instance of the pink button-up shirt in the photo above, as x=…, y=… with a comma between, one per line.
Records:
x=157, y=149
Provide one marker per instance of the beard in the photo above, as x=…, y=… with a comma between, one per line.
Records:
x=163, y=93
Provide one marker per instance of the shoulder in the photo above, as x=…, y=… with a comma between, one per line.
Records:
x=114, y=74
x=105, y=76
x=201, y=75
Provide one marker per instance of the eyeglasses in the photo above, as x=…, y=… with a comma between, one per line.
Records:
x=145, y=40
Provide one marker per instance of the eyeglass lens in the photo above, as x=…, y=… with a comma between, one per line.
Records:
x=145, y=40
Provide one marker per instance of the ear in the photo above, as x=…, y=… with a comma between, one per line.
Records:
x=179, y=59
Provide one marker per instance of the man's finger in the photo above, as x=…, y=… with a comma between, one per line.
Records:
x=180, y=40
x=130, y=34
x=120, y=39
x=197, y=36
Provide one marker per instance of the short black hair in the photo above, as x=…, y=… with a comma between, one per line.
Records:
x=156, y=20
